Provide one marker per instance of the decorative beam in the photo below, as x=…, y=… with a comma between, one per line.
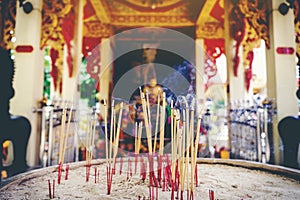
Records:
x=151, y=20
x=101, y=10
x=210, y=23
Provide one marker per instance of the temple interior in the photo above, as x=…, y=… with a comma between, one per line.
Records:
x=78, y=73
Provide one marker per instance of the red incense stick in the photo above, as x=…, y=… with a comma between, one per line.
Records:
x=159, y=168
x=196, y=175
x=49, y=187
x=95, y=170
x=59, y=173
x=107, y=179
x=53, y=189
x=121, y=165
x=172, y=192
x=211, y=195
x=98, y=176
x=135, y=163
x=192, y=195
x=130, y=167
x=88, y=167
x=164, y=180
x=67, y=172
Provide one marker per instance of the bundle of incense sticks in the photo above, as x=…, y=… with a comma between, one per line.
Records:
x=92, y=122
x=64, y=134
x=109, y=148
x=161, y=137
x=184, y=148
x=112, y=148
x=180, y=171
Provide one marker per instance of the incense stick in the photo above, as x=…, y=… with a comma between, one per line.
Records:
x=156, y=123
x=118, y=133
x=111, y=129
x=105, y=130
x=148, y=130
x=66, y=135
x=162, y=126
x=62, y=134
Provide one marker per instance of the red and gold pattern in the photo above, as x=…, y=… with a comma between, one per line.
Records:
x=256, y=28
x=256, y=12
x=173, y=13
x=214, y=49
x=8, y=15
x=210, y=23
x=237, y=32
x=52, y=34
x=249, y=26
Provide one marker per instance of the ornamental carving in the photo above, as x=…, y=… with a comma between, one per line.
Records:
x=256, y=28
x=150, y=20
x=210, y=23
x=8, y=12
x=210, y=30
x=53, y=14
x=255, y=11
x=97, y=29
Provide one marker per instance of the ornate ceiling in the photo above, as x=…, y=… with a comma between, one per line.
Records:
x=103, y=16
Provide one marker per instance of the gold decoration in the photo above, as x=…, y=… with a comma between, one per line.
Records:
x=297, y=28
x=51, y=35
x=255, y=12
x=54, y=12
x=174, y=13
x=210, y=30
x=210, y=23
x=8, y=16
x=250, y=41
x=101, y=9
x=150, y=20
x=97, y=29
